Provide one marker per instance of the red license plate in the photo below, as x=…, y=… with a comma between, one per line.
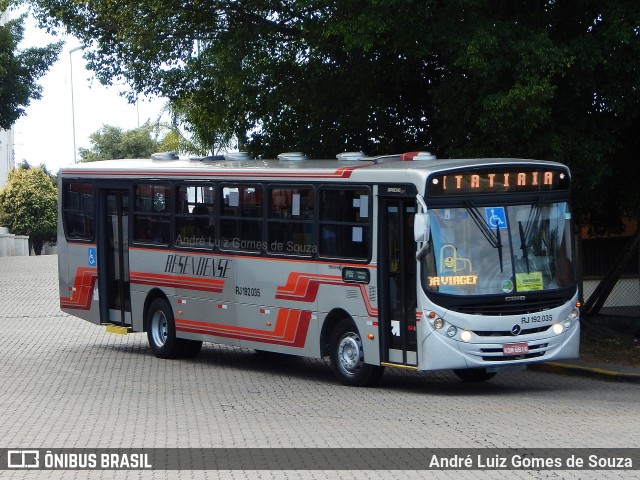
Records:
x=515, y=349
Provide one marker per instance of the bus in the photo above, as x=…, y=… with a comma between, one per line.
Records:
x=405, y=260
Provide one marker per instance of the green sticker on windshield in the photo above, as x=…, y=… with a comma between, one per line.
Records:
x=507, y=286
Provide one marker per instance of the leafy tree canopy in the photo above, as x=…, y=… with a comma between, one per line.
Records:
x=20, y=69
x=113, y=142
x=28, y=205
x=529, y=78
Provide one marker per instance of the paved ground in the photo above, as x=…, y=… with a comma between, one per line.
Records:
x=67, y=383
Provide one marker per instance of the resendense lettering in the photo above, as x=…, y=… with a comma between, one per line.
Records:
x=198, y=266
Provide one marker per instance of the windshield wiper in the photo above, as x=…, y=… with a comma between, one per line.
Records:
x=523, y=245
x=527, y=233
x=495, y=240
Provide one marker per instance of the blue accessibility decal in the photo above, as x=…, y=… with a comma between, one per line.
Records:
x=496, y=217
x=92, y=260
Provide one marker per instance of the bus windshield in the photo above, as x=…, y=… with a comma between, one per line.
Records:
x=499, y=249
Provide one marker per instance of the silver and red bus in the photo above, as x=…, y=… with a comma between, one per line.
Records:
x=401, y=261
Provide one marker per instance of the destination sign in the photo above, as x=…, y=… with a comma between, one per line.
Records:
x=497, y=180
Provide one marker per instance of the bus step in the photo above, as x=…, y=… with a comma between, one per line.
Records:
x=399, y=365
x=117, y=329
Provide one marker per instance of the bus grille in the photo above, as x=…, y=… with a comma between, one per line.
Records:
x=507, y=333
x=503, y=308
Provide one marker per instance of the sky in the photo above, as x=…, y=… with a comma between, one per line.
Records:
x=45, y=134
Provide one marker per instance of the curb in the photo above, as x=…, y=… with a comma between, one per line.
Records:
x=597, y=373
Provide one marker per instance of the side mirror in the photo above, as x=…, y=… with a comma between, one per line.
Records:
x=421, y=227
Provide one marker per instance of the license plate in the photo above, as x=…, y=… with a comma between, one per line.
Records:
x=515, y=349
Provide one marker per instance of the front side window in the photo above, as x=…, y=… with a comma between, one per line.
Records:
x=502, y=249
x=78, y=201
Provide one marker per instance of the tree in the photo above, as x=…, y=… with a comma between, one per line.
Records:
x=28, y=206
x=269, y=74
x=20, y=70
x=113, y=142
x=528, y=78
x=552, y=80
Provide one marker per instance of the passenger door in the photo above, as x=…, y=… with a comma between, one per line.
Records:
x=113, y=257
x=397, y=280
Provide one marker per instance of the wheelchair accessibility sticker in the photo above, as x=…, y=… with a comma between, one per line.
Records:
x=496, y=217
x=91, y=260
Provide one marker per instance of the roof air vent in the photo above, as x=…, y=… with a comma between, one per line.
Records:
x=423, y=156
x=165, y=156
x=237, y=156
x=417, y=156
x=351, y=156
x=292, y=156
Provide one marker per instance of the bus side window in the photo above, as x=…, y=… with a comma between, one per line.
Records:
x=290, y=220
x=241, y=217
x=345, y=223
x=194, y=219
x=152, y=214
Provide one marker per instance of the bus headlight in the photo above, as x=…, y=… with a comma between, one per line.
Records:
x=572, y=317
x=451, y=331
x=438, y=323
x=558, y=328
x=465, y=336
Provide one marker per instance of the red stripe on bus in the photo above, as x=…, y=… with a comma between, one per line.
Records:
x=290, y=329
x=175, y=281
x=242, y=255
x=303, y=287
x=83, y=286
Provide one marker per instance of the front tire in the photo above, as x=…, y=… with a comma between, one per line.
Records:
x=474, y=375
x=347, y=357
x=161, y=333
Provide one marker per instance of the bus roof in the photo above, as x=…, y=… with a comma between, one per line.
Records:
x=389, y=168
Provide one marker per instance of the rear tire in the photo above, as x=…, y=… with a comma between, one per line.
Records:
x=474, y=375
x=347, y=357
x=161, y=333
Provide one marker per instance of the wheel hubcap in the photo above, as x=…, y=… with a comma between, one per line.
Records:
x=350, y=354
x=159, y=328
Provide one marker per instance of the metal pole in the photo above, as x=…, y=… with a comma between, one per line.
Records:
x=73, y=108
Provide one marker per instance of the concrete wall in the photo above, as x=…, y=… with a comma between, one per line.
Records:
x=13, y=245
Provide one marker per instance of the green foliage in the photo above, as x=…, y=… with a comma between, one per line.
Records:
x=28, y=205
x=551, y=80
x=20, y=69
x=526, y=78
x=112, y=143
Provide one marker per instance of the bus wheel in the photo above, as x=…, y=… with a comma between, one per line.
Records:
x=161, y=332
x=347, y=357
x=474, y=375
